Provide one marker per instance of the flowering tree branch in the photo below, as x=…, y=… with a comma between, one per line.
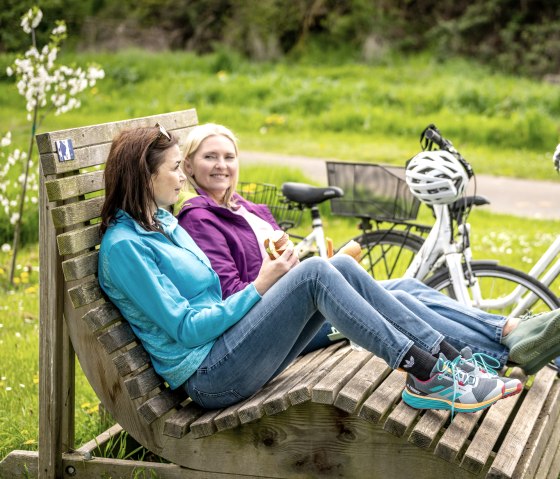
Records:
x=45, y=86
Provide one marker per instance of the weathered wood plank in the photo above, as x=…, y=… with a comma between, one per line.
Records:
x=360, y=386
x=544, y=439
x=85, y=293
x=157, y=406
x=549, y=468
x=73, y=186
x=252, y=408
x=131, y=360
x=456, y=435
x=92, y=143
x=400, y=419
x=329, y=358
x=24, y=465
x=79, y=212
x=204, y=425
x=76, y=241
x=52, y=406
x=277, y=401
x=511, y=449
x=178, y=424
x=144, y=382
x=81, y=266
x=482, y=444
x=326, y=390
x=381, y=400
x=117, y=337
x=429, y=427
x=102, y=316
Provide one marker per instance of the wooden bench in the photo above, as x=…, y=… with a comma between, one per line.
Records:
x=333, y=413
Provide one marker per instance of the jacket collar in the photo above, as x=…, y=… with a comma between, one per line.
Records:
x=167, y=220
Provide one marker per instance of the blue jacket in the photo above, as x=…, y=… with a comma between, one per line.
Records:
x=165, y=288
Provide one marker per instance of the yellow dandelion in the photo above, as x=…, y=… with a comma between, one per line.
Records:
x=17, y=281
x=2, y=271
x=30, y=442
x=31, y=290
x=92, y=410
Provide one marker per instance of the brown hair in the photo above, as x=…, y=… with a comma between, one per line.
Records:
x=134, y=157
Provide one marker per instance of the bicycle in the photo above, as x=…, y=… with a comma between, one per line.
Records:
x=443, y=258
x=439, y=255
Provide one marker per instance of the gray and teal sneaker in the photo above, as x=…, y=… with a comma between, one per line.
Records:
x=485, y=366
x=451, y=388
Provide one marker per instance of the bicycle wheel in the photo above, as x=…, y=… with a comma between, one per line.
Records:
x=388, y=253
x=505, y=291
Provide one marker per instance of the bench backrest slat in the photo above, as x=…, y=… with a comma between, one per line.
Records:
x=74, y=213
x=92, y=144
x=81, y=266
x=76, y=241
x=74, y=186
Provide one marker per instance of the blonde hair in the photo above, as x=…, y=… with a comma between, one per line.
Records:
x=194, y=139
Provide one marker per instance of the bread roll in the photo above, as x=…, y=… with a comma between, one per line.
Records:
x=277, y=243
x=352, y=248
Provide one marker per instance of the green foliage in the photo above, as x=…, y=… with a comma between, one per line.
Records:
x=505, y=125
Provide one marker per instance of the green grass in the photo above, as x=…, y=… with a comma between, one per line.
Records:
x=503, y=125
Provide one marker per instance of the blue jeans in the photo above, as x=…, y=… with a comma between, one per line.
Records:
x=275, y=331
x=461, y=325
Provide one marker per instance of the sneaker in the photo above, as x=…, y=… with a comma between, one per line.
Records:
x=485, y=366
x=535, y=341
x=451, y=388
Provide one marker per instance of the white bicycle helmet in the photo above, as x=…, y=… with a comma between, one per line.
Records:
x=436, y=177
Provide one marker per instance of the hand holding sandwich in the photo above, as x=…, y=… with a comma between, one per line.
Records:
x=281, y=259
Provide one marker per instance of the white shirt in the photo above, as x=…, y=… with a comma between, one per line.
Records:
x=260, y=227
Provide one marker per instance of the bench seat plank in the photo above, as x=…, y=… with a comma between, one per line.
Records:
x=400, y=419
x=514, y=443
x=383, y=398
x=278, y=401
x=252, y=408
x=429, y=427
x=353, y=394
x=329, y=357
x=326, y=390
x=456, y=435
x=488, y=432
x=178, y=424
x=544, y=440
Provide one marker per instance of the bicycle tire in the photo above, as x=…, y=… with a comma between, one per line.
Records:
x=388, y=253
x=496, y=283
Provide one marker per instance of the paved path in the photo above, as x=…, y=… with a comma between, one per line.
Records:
x=526, y=198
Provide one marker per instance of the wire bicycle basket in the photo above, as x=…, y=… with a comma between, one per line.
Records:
x=372, y=191
x=286, y=213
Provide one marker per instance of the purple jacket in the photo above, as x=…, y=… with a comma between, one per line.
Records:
x=226, y=238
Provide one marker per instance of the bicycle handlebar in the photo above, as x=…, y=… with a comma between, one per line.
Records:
x=432, y=135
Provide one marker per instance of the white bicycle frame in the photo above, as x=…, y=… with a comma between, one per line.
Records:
x=314, y=241
x=441, y=247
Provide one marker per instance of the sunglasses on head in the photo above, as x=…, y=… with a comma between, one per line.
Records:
x=162, y=132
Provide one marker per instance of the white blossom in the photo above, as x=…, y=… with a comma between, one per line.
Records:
x=5, y=248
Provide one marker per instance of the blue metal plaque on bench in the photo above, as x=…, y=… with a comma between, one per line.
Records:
x=65, y=150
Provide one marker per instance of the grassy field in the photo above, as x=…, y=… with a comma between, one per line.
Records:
x=374, y=113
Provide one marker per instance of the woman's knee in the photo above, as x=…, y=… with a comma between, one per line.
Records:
x=343, y=262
